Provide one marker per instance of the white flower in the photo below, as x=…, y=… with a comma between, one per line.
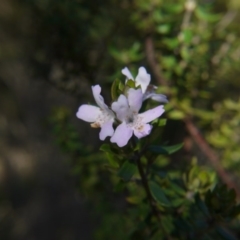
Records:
x=151, y=93
x=126, y=109
x=143, y=79
x=100, y=117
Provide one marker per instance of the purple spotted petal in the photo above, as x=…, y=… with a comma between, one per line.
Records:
x=106, y=130
x=122, y=135
x=88, y=113
x=98, y=98
x=151, y=114
x=143, y=131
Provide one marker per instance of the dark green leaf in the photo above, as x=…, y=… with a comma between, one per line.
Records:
x=114, y=89
x=131, y=83
x=127, y=171
x=201, y=205
x=171, y=43
x=121, y=86
x=158, y=194
x=162, y=122
x=165, y=149
x=167, y=223
x=225, y=234
x=112, y=158
x=164, y=28
x=202, y=14
x=105, y=148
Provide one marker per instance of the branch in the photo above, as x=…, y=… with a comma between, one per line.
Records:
x=191, y=128
x=226, y=20
x=211, y=155
x=137, y=158
x=189, y=8
x=149, y=48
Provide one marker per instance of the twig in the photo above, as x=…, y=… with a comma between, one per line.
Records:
x=137, y=158
x=191, y=128
x=226, y=20
x=206, y=149
x=149, y=48
x=189, y=8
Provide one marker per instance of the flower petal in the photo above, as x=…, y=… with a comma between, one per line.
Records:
x=106, y=130
x=88, y=113
x=159, y=98
x=151, y=114
x=122, y=135
x=121, y=107
x=135, y=99
x=143, y=131
x=98, y=98
x=143, y=79
x=155, y=96
x=127, y=73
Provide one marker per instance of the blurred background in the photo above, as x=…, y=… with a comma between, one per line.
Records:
x=53, y=184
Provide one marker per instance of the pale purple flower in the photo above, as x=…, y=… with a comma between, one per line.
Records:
x=151, y=93
x=126, y=109
x=100, y=117
x=143, y=80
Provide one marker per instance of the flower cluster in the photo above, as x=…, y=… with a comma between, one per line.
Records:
x=124, y=110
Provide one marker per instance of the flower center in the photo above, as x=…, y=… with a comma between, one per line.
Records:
x=103, y=117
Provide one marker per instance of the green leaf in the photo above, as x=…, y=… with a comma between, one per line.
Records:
x=185, y=54
x=165, y=149
x=177, y=189
x=158, y=194
x=187, y=35
x=105, y=148
x=164, y=28
x=202, y=14
x=121, y=86
x=201, y=205
x=226, y=235
x=167, y=223
x=114, y=89
x=235, y=211
x=162, y=122
x=112, y=158
x=168, y=62
x=171, y=43
x=173, y=8
x=131, y=83
x=127, y=171
x=176, y=114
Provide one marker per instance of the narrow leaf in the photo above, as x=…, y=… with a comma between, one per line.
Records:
x=112, y=158
x=114, y=89
x=127, y=171
x=105, y=147
x=158, y=194
x=226, y=235
x=165, y=149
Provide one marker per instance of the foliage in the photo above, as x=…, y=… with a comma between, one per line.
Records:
x=191, y=48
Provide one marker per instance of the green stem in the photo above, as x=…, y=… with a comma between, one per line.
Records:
x=151, y=201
